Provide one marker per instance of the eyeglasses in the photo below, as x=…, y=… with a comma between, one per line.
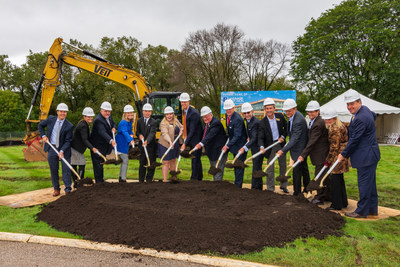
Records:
x=246, y=113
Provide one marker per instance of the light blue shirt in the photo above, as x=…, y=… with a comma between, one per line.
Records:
x=274, y=128
x=291, y=122
x=53, y=137
x=311, y=123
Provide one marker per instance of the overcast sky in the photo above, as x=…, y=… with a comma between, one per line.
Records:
x=34, y=24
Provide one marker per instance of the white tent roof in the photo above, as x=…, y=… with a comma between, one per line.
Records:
x=377, y=107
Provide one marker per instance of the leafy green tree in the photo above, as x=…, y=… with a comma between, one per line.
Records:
x=12, y=112
x=6, y=70
x=354, y=45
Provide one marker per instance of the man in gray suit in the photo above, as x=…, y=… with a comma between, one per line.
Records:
x=297, y=131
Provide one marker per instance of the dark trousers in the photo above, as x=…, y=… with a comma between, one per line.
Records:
x=257, y=183
x=368, y=196
x=54, y=164
x=338, y=191
x=299, y=171
x=239, y=173
x=146, y=172
x=80, y=171
x=97, y=167
x=323, y=194
x=197, y=167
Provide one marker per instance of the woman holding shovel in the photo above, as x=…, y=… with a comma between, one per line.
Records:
x=337, y=136
x=80, y=141
x=170, y=128
x=124, y=139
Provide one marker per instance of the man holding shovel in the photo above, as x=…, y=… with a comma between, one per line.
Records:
x=363, y=150
x=192, y=133
x=317, y=147
x=102, y=138
x=213, y=139
x=237, y=137
x=297, y=131
x=272, y=128
x=146, y=130
x=59, y=134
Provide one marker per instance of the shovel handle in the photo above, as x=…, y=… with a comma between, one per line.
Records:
x=115, y=147
x=65, y=161
x=320, y=173
x=191, y=151
x=260, y=152
x=271, y=162
x=292, y=167
x=177, y=164
x=147, y=154
x=237, y=155
x=329, y=172
x=169, y=149
x=101, y=155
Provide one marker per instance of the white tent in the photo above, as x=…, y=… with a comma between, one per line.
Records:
x=387, y=123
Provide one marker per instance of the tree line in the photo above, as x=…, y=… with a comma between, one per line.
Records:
x=353, y=45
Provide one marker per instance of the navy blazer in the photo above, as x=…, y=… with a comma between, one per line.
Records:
x=362, y=147
x=194, y=127
x=102, y=134
x=65, y=134
x=236, y=133
x=252, y=134
x=265, y=133
x=214, y=139
x=297, y=137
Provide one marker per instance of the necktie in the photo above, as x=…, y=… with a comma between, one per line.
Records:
x=145, y=121
x=184, y=125
x=309, y=125
x=205, y=130
x=58, y=134
x=108, y=121
x=228, y=120
x=290, y=126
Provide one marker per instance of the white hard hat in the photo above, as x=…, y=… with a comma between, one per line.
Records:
x=168, y=110
x=205, y=110
x=351, y=96
x=88, y=112
x=289, y=103
x=128, y=108
x=228, y=104
x=62, y=107
x=328, y=113
x=269, y=101
x=312, y=105
x=246, y=107
x=147, y=106
x=106, y=106
x=184, y=97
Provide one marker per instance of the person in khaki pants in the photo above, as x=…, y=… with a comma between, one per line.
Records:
x=170, y=128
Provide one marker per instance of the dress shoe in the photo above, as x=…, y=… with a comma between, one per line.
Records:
x=354, y=215
x=56, y=193
x=333, y=208
x=122, y=180
x=285, y=190
x=317, y=201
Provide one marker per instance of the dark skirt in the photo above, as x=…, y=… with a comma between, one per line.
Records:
x=173, y=153
x=338, y=191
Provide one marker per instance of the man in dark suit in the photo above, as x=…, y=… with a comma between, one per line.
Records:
x=273, y=128
x=213, y=139
x=101, y=137
x=192, y=133
x=363, y=150
x=251, y=125
x=237, y=137
x=59, y=134
x=317, y=147
x=297, y=130
x=146, y=129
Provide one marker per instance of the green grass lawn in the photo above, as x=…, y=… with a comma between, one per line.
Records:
x=363, y=242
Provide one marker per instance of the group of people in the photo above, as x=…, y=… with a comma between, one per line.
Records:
x=325, y=139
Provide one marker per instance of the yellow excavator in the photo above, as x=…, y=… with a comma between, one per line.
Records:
x=51, y=79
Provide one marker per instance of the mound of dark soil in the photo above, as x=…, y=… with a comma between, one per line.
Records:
x=190, y=217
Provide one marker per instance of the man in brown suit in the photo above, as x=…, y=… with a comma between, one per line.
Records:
x=317, y=147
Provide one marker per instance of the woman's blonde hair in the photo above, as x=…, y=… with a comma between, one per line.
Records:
x=337, y=122
x=125, y=118
x=164, y=120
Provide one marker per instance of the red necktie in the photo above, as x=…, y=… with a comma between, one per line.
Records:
x=205, y=130
x=228, y=120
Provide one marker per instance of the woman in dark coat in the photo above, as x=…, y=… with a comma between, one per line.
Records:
x=337, y=136
x=80, y=141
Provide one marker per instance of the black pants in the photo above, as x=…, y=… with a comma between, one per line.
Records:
x=146, y=172
x=197, y=167
x=323, y=194
x=299, y=171
x=338, y=191
x=80, y=171
x=257, y=183
x=97, y=167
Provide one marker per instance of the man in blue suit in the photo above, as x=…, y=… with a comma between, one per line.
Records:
x=192, y=133
x=363, y=150
x=101, y=137
x=59, y=133
x=297, y=131
x=237, y=137
x=213, y=139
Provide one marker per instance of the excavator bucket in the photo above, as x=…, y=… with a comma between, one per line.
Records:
x=35, y=151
